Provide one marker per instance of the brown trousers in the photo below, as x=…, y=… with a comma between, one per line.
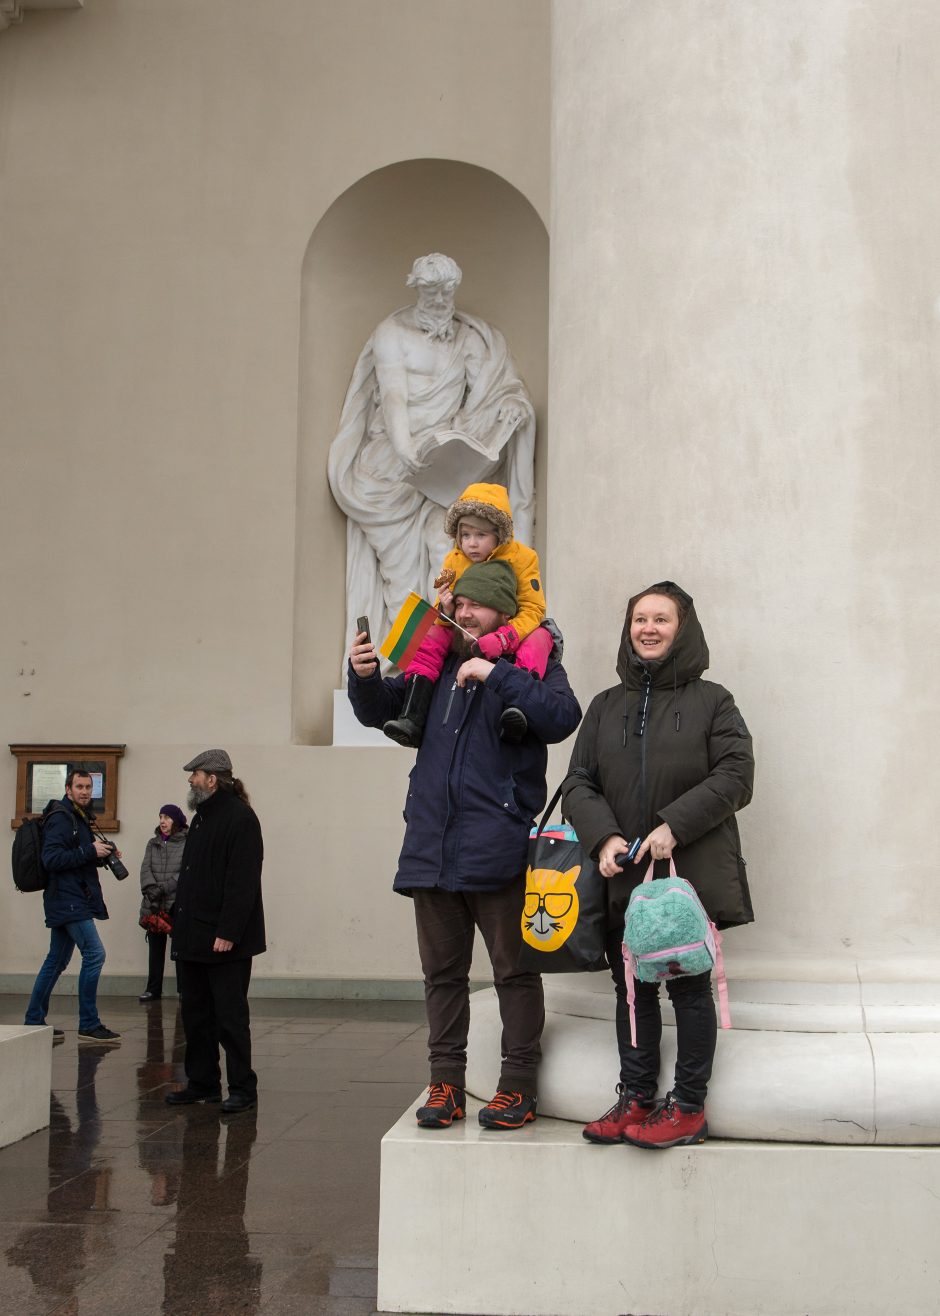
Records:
x=446, y=921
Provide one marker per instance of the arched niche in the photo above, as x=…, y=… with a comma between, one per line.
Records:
x=353, y=275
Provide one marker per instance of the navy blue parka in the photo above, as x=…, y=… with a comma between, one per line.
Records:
x=472, y=798
x=73, y=891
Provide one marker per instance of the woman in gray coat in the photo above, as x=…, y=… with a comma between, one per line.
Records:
x=159, y=874
x=665, y=757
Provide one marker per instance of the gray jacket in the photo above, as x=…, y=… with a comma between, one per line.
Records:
x=160, y=871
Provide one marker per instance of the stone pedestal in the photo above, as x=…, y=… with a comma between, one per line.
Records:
x=539, y=1223
x=855, y=1061
x=347, y=731
x=25, y=1081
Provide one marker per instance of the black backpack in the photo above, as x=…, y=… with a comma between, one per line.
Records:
x=28, y=872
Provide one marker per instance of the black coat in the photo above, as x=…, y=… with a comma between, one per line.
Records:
x=688, y=762
x=219, y=890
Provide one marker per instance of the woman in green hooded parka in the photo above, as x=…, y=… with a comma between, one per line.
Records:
x=667, y=757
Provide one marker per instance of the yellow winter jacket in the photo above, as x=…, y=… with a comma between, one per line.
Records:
x=530, y=598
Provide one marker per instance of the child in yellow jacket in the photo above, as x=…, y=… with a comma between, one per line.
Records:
x=481, y=523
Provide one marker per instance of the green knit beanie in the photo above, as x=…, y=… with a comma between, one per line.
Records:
x=491, y=583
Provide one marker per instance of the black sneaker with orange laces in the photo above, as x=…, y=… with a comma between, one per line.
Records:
x=673, y=1123
x=445, y=1104
x=508, y=1110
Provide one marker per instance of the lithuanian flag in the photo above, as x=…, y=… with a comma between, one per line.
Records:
x=411, y=626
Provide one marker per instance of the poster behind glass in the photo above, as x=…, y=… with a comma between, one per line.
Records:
x=46, y=781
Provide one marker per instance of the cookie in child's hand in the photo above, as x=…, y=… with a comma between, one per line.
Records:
x=446, y=578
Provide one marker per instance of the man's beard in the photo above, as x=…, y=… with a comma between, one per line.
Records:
x=196, y=797
x=436, y=326
x=462, y=646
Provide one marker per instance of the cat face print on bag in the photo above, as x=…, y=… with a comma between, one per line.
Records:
x=551, y=907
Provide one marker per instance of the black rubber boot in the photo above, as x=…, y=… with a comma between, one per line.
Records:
x=408, y=728
x=513, y=725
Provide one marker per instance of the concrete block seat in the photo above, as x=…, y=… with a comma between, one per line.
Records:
x=846, y=1054
x=541, y=1222
x=25, y=1080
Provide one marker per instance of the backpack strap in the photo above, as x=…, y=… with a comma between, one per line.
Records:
x=56, y=806
x=631, y=990
x=723, y=1007
x=548, y=811
x=672, y=869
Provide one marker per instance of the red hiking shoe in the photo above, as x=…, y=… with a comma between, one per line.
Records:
x=627, y=1111
x=508, y=1110
x=673, y=1123
x=445, y=1104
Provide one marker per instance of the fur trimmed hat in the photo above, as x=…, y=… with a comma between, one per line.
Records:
x=488, y=502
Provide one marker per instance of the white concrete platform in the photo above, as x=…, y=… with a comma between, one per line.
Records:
x=25, y=1081
x=540, y=1223
x=347, y=731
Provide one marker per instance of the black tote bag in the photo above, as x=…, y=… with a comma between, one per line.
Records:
x=564, y=921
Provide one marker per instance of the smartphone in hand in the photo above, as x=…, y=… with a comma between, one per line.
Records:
x=627, y=856
x=362, y=626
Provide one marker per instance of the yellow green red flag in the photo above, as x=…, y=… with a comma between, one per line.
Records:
x=412, y=624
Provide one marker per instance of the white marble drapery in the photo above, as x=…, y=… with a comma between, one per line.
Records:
x=395, y=534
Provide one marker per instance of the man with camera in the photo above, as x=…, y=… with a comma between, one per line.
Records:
x=72, y=900
x=218, y=926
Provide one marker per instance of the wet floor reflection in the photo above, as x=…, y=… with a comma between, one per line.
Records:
x=160, y=1160
x=58, y=1261
x=213, y=1273
x=200, y=1164
x=125, y=1205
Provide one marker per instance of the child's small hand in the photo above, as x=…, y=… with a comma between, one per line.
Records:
x=491, y=646
x=446, y=600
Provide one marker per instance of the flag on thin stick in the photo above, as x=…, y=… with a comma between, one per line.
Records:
x=410, y=627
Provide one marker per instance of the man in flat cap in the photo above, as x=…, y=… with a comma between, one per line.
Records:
x=472, y=798
x=218, y=926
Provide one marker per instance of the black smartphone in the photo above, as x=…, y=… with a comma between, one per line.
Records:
x=362, y=624
x=621, y=860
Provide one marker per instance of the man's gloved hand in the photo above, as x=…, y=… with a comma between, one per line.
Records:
x=498, y=643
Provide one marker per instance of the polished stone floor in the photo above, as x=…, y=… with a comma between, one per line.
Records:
x=126, y=1206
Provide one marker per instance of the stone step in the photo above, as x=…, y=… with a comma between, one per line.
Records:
x=537, y=1222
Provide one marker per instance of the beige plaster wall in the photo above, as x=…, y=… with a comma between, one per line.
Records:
x=162, y=170
x=745, y=271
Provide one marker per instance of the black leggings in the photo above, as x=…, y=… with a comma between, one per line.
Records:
x=156, y=957
x=696, y=1029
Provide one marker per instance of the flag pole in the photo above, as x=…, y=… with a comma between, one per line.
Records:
x=450, y=622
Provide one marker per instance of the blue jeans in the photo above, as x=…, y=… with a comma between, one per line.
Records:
x=84, y=935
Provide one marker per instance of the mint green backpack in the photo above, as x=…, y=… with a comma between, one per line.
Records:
x=668, y=934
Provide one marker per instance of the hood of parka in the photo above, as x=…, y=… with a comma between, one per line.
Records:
x=685, y=661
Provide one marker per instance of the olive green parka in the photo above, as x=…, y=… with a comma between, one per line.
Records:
x=665, y=746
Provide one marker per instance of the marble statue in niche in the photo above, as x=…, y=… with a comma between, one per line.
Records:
x=435, y=403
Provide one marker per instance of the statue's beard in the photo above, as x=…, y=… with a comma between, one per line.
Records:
x=436, y=326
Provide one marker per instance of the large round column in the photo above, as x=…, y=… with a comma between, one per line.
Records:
x=743, y=393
